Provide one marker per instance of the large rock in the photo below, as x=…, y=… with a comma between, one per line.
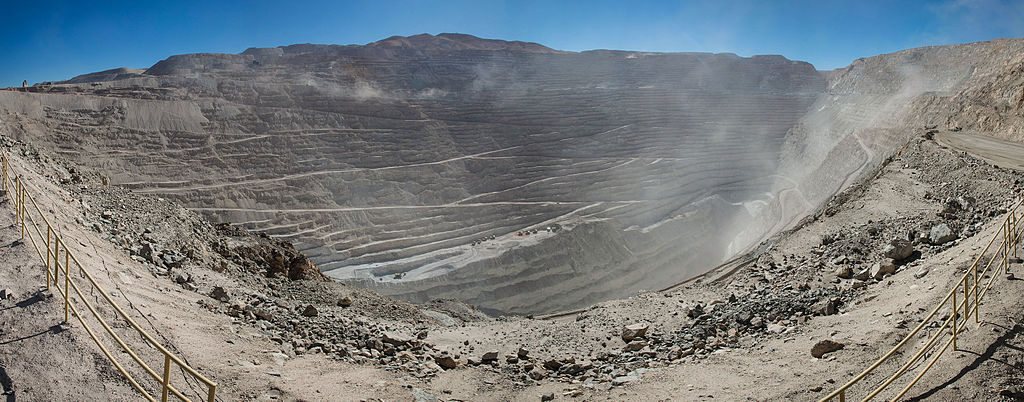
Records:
x=446, y=361
x=941, y=234
x=898, y=249
x=824, y=347
x=489, y=356
x=881, y=269
x=218, y=293
x=634, y=346
x=844, y=272
x=826, y=307
x=395, y=338
x=633, y=331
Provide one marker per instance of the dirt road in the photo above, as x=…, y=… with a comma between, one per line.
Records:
x=993, y=150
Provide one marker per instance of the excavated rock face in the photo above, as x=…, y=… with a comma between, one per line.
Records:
x=507, y=174
x=434, y=166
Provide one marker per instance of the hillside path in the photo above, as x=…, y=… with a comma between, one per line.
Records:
x=40, y=359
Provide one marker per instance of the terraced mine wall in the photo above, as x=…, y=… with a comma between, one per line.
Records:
x=512, y=176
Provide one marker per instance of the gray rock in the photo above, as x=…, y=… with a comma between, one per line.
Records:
x=523, y=353
x=824, y=347
x=941, y=234
x=345, y=301
x=5, y=294
x=633, y=331
x=548, y=396
x=863, y=274
x=756, y=322
x=920, y=274
x=310, y=311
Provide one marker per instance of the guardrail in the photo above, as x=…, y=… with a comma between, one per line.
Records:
x=62, y=259
x=960, y=313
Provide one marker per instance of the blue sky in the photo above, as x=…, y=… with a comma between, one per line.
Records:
x=54, y=40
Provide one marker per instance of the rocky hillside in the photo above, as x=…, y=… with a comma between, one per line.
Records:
x=506, y=174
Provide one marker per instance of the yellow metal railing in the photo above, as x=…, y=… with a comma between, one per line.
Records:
x=59, y=260
x=960, y=312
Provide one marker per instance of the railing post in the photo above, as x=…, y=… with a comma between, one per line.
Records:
x=48, y=230
x=967, y=304
x=954, y=316
x=67, y=285
x=213, y=393
x=167, y=377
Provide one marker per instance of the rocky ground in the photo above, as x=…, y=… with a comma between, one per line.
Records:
x=906, y=224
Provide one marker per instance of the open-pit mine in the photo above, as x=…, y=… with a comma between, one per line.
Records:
x=509, y=175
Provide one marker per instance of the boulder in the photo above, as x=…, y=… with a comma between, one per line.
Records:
x=345, y=301
x=898, y=249
x=395, y=338
x=150, y=252
x=218, y=293
x=264, y=314
x=881, y=269
x=844, y=272
x=744, y=317
x=634, y=346
x=633, y=331
x=824, y=347
x=941, y=234
x=548, y=396
x=182, y=278
x=446, y=361
x=489, y=356
x=310, y=311
x=826, y=307
x=523, y=353
x=863, y=274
